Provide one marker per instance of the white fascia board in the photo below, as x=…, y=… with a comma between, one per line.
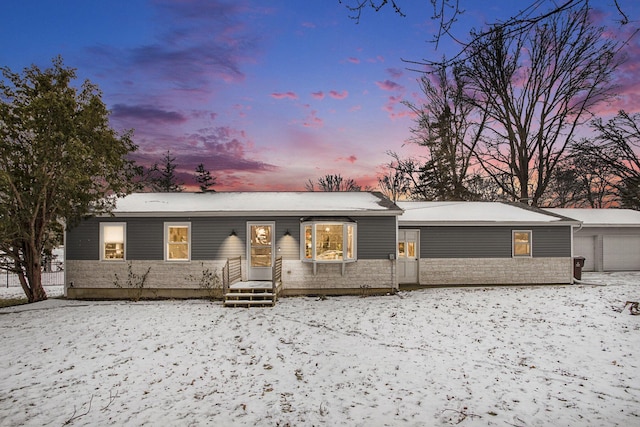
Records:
x=402, y=223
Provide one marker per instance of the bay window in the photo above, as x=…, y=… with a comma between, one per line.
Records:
x=329, y=241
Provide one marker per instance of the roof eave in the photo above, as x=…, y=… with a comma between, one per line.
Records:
x=221, y=214
x=417, y=223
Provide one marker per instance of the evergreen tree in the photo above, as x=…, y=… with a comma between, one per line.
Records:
x=204, y=178
x=59, y=161
x=163, y=178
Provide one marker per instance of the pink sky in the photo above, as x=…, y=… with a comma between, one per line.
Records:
x=265, y=96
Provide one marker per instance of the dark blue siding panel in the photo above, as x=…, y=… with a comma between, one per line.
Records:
x=211, y=240
x=83, y=241
x=376, y=237
x=491, y=242
x=145, y=238
x=551, y=241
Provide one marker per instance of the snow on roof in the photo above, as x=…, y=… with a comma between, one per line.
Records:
x=601, y=217
x=471, y=213
x=263, y=203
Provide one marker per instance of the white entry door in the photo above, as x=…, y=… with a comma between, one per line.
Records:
x=260, y=250
x=408, y=256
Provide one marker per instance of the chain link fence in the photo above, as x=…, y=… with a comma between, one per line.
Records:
x=52, y=275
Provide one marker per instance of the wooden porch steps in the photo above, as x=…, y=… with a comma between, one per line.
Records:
x=249, y=297
x=237, y=293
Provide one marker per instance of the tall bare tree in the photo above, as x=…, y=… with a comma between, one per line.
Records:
x=537, y=88
x=445, y=14
x=448, y=125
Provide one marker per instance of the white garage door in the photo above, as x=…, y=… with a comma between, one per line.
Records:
x=621, y=253
x=585, y=246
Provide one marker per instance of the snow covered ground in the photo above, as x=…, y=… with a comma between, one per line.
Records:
x=547, y=355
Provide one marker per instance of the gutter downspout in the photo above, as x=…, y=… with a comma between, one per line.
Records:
x=573, y=279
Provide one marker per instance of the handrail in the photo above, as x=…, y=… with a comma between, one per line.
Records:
x=276, y=278
x=231, y=273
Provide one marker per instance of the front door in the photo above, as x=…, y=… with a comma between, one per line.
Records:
x=260, y=249
x=408, y=256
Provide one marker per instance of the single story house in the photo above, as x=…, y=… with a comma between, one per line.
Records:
x=169, y=244
x=176, y=245
x=608, y=239
x=483, y=243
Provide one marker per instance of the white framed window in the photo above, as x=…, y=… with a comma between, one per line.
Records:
x=329, y=241
x=521, y=240
x=112, y=241
x=177, y=241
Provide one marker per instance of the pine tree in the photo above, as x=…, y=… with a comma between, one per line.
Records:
x=204, y=178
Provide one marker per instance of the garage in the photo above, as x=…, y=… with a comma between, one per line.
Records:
x=585, y=246
x=621, y=253
x=609, y=239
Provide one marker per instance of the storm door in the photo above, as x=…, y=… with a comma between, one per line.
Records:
x=260, y=249
x=408, y=256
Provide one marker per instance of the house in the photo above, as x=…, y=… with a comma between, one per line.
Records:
x=167, y=245
x=609, y=239
x=483, y=243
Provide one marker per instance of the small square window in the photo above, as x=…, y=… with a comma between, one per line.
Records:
x=521, y=243
x=112, y=241
x=178, y=241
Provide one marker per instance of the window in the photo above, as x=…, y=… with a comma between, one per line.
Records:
x=177, y=238
x=329, y=241
x=112, y=237
x=407, y=249
x=521, y=243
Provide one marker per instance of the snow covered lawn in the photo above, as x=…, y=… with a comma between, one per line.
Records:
x=547, y=355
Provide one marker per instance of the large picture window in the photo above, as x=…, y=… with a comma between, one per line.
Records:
x=329, y=241
x=521, y=243
x=177, y=238
x=112, y=241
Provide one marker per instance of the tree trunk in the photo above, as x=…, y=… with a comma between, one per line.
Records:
x=31, y=276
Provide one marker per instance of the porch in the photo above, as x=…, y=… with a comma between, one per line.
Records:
x=251, y=293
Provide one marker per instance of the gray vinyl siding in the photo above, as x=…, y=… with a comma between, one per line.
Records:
x=145, y=239
x=551, y=242
x=210, y=238
x=376, y=237
x=83, y=241
x=491, y=242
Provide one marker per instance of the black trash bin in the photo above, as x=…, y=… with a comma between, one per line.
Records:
x=578, y=263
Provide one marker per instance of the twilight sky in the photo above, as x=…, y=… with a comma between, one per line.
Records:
x=267, y=94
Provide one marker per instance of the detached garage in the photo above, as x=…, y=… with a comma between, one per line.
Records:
x=609, y=239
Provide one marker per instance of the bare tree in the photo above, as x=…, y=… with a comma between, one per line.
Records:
x=410, y=173
x=394, y=182
x=333, y=183
x=581, y=180
x=616, y=147
x=538, y=87
x=446, y=13
x=448, y=126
